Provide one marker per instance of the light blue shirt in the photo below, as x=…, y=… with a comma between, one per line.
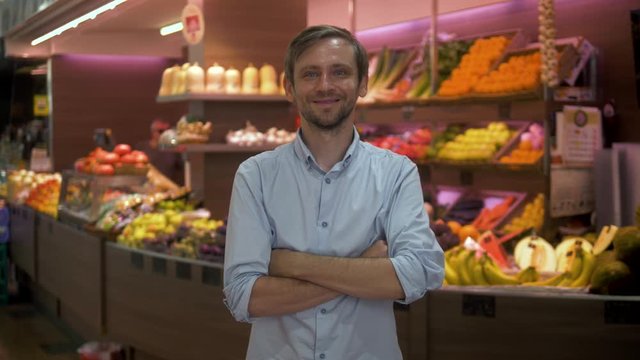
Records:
x=282, y=199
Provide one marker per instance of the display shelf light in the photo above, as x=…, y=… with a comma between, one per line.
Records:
x=74, y=23
x=170, y=29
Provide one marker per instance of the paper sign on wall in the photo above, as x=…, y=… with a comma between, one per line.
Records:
x=572, y=191
x=581, y=134
x=40, y=105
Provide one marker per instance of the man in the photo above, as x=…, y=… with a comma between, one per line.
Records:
x=326, y=232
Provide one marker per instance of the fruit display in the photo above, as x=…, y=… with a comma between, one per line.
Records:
x=250, y=136
x=149, y=227
x=192, y=130
x=469, y=264
x=123, y=160
x=519, y=73
x=617, y=265
x=476, y=63
x=45, y=196
x=534, y=251
x=490, y=217
x=386, y=69
x=176, y=233
x=192, y=78
x=464, y=266
x=529, y=149
x=412, y=143
x=465, y=210
x=440, y=139
x=445, y=235
x=21, y=183
x=476, y=144
x=449, y=55
x=531, y=217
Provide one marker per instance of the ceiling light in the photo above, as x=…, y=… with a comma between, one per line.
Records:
x=74, y=23
x=170, y=29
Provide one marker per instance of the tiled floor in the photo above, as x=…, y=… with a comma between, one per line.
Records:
x=27, y=334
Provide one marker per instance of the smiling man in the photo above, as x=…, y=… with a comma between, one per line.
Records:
x=325, y=233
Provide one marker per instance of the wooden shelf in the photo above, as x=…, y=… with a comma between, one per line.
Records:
x=467, y=100
x=220, y=148
x=221, y=98
x=534, y=168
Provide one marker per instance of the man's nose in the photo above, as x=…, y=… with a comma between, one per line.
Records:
x=325, y=81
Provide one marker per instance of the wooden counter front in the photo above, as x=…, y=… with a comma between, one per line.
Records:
x=169, y=307
x=485, y=323
x=70, y=267
x=23, y=238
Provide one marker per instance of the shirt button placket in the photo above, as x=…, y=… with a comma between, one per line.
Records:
x=322, y=356
x=327, y=180
x=325, y=224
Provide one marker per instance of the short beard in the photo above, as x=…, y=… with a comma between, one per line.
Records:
x=340, y=118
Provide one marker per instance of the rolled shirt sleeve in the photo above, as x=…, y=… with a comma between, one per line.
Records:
x=414, y=252
x=248, y=242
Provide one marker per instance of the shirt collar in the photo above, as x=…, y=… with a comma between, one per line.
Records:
x=303, y=153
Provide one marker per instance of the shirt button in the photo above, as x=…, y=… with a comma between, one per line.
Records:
x=327, y=180
x=322, y=356
x=325, y=224
x=324, y=311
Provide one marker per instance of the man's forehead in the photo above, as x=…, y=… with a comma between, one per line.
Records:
x=332, y=48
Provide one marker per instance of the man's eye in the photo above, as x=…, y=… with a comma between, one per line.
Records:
x=310, y=74
x=341, y=72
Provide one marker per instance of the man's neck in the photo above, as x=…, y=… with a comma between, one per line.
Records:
x=328, y=147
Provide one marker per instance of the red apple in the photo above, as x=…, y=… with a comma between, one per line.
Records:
x=108, y=158
x=104, y=169
x=128, y=159
x=122, y=149
x=140, y=157
x=79, y=165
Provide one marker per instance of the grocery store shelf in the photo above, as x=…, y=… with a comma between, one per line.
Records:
x=476, y=167
x=158, y=255
x=221, y=97
x=220, y=148
x=468, y=100
x=537, y=292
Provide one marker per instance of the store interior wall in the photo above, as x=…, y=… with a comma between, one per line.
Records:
x=95, y=91
x=588, y=18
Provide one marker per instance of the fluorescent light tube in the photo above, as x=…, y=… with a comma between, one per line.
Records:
x=74, y=23
x=170, y=29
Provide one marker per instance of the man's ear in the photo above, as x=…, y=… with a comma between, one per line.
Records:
x=288, y=89
x=364, y=84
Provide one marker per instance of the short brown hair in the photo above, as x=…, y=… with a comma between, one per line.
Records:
x=311, y=35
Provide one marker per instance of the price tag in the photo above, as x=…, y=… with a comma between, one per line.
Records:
x=622, y=312
x=137, y=261
x=183, y=271
x=479, y=305
x=159, y=266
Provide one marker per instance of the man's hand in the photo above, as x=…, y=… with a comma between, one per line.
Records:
x=379, y=249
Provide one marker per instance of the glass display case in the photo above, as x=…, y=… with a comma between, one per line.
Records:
x=82, y=195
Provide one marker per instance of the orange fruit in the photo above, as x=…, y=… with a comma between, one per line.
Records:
x=454, y=226
x=468, y=231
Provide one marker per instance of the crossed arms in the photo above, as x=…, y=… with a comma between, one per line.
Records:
x=298, y=281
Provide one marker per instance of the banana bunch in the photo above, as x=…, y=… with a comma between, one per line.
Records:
x=463, y=267
x=580, y=264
